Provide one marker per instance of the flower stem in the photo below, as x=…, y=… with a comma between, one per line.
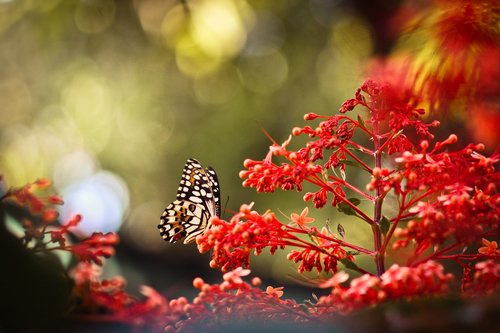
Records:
x=377, y=213
x=334, y=240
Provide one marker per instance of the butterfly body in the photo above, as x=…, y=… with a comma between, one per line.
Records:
x=198, y=199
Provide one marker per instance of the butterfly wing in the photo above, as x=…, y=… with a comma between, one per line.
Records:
x=183, y=219
x=212, y=176
x=198, y=199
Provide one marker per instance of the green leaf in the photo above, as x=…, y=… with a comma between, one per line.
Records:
x=384, y=225
x=345, y=208
x=349, y=264
x=354, y=201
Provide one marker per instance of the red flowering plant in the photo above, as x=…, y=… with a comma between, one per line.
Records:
x=433, y=207
x=447, y=202
x=42, y=233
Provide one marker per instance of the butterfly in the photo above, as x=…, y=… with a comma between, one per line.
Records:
x=198, y=199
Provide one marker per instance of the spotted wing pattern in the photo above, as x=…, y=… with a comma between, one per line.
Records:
x=198, y=199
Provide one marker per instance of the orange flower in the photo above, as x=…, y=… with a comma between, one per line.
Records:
x=302, y=219
x=489, y=248
x=278, y=291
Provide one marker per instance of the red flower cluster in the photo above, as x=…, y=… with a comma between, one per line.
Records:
x=234, y=304
x=95, y=247
x=324, y=253
x=109, y=299
x=451, y=190
x=485, y=280
x=456, y=62
x=450, y=215
x=219, y=306
x=397, y=283
x=232, y=242
x=389, y=108
x=445, y=191
x=435, y=170
x=28, y=196
x=49, y=235
x=466, y=33
x=442, y=194
x=266, y=176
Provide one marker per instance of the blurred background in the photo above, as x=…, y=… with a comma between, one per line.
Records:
x=109, y=98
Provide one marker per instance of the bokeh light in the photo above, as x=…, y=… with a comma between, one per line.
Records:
x=102, y=199
x=218, y=26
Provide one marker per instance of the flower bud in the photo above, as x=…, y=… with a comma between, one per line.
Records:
x=256, y=281
x=452, y=139
x=310, y=116
x=198, y=283
x=49, y=215
x=248, y=163
x=424, y=144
